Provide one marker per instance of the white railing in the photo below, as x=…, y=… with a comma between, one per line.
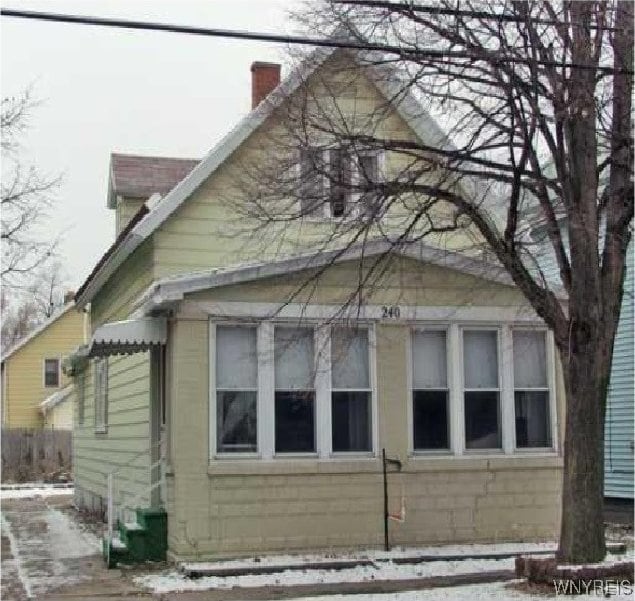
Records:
x=122, y=502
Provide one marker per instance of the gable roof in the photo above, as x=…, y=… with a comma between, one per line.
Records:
x=139, y=176
x=38, y=330
x=173, y=288
x=382, y=75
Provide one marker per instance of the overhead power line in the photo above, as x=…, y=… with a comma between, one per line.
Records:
x=470, y=14
x=406, y=52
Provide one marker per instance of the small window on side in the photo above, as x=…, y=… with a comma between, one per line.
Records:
x=101, y=394
x=80, y=387
x=51, y=373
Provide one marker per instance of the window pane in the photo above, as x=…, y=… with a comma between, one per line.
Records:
x=51, y=372
x=430, y=419
x=532, y=419
x=295, y=422
x=530, y=363
x=351, y=421
x=429, y=360
x=480, y=359
x=236, y=421
x=81, y=396
x=349, y=358
x=482, y=429
x=368, y=169
x=236, y=358
x=340, y=180
x=294, y=366
x=312, y=184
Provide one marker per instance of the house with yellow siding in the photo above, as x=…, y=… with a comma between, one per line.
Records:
x=32, y=372
x=226, y=408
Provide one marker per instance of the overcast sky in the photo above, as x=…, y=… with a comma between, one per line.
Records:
x=107, y=90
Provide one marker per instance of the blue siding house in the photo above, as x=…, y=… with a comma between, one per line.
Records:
x=620, y=411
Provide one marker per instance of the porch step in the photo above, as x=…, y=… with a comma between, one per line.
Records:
x=139, y=541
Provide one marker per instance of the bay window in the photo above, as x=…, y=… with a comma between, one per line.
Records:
x=350, y=391
x=294, y=390
x=531, y=390
x=481, y=389
x=236, y=389
x=430, y=410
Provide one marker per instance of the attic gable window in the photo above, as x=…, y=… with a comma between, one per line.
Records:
x=338, y=182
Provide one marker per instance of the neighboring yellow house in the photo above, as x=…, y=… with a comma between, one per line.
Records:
x=251, y=412
x=32, y=371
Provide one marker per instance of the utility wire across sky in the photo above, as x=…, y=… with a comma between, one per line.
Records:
x=401, y=51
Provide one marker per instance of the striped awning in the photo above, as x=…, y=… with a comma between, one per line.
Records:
x=127, y=337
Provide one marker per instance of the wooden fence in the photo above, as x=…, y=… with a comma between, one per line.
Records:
x=34, y=455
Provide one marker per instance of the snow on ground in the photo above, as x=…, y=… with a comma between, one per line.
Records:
x=69, y=540
x=373, y=554
x=48, y=547
x=383, y=568
x=16, y=562
x=41, y=490
x=174, y=581
x=497, y=591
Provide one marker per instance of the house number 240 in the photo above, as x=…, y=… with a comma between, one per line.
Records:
x=391, y=312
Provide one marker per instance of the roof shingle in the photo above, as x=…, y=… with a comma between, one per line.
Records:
x=141, y=176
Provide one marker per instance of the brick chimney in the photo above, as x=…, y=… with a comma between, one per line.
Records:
x=264, y=78
x=69, y=296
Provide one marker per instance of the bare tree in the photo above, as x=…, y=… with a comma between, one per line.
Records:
x=25, y=196
x=535, y=103
x=24, y=308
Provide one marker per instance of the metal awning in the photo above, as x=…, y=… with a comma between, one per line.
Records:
x=127, y=337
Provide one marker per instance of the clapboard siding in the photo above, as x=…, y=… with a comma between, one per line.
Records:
x=620, y=414
x=24, y=370
x=128, y=432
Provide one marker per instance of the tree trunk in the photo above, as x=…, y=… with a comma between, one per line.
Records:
x=586, y=361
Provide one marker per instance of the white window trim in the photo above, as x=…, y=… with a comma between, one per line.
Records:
x=410, y=377
x=59, y=372
x=316, y=411
x=499, y=360
x=266, y=394
x=372, y=381
x=550, y=389
x=213, y=453
x=454, y=347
